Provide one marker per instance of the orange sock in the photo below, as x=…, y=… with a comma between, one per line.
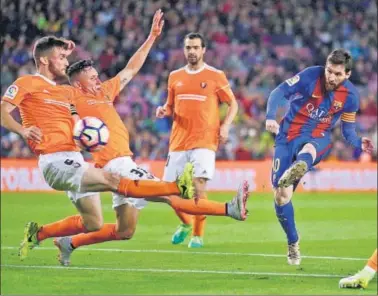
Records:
x=147, y=188
x=184, y=217
x=372, y=262
x=69, y=226
x=106, y=233
x=199, y=222
x=203, y=206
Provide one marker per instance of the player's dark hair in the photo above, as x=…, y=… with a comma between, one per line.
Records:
x=341, y=57
x=45, y=44
x=196, y=36
x=77, y=67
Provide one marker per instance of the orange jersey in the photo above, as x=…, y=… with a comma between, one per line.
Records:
x=194, y=98
x=101, y=106
x=45, y=105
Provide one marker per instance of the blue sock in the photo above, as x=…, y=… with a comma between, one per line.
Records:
x=307, y=158
x=285, y=215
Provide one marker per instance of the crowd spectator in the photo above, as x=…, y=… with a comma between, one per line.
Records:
x=257, y=43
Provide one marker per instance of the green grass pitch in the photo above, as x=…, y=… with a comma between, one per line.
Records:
x=338, y=233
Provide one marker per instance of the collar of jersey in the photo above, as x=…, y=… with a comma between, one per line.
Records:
x=45, y=78
x=194, y=71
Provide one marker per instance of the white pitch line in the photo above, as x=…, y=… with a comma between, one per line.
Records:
x=230, y=272
x=193, y=252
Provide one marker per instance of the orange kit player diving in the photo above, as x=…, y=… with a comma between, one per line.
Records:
x=194, y=95
x=115, y=160
x=47, y=126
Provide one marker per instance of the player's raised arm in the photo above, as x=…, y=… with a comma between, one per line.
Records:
x=137, y=60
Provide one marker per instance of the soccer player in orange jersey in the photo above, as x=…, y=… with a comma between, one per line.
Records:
x=78, y=176
x=194, y=94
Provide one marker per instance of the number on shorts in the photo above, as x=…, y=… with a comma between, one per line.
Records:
x=141, y=173
x=73, y=163
x=276, y=165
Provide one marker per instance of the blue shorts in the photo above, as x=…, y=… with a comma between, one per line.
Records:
x=285, y=153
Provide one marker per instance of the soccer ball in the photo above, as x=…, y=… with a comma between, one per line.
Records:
x=91, y=134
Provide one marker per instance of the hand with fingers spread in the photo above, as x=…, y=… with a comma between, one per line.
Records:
x=272, y=126
x=157, y=24
x=367, y=145
x=32, y=133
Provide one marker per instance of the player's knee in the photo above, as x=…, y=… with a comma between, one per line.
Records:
x=112, y=180
x=94, y=224
x=126, y=234
x=281, y=196
x=309, y=148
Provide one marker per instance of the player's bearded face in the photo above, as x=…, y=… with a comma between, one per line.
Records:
x=335, y=75
x=194, y=51
x=58, y=62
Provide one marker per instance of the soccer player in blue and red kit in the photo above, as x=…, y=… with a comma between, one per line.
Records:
x=318, y=97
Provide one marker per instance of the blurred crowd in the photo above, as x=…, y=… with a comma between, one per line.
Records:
x=257, y=43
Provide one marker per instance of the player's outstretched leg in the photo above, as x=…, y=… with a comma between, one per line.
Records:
x=151, y=188
x=30, y=239
x=362, y=278
x=235, y=209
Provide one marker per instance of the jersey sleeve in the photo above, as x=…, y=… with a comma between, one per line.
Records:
x=296, y=84
x=300, y=82
x=112, y=87
x=351, y=107
x=348, y=120
x=15, y=93
x=223, y=89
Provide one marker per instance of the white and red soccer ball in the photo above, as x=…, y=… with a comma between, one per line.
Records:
x=91, y=134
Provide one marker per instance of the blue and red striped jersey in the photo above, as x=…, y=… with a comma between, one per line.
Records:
x=313, y=111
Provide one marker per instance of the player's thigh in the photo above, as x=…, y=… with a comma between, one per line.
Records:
x=127, y=219
x=174, y=166
x=203, y=161
x=63, y=171
x=89, y=206
x=323, y=148
x=126, y=167
x=95, y=179
x=282, y=160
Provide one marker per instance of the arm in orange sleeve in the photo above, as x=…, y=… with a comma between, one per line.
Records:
x=225, y=95
x=7, y=119
x=137, y=60
x=12, y=98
